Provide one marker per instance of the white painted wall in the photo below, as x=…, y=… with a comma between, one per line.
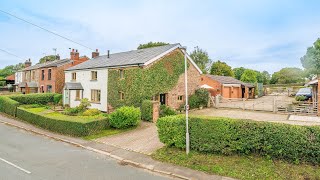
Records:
x=18, y=77
x=84, y=77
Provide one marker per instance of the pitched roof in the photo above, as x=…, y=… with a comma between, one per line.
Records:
x=228, y=80
x=10, y=78
x=73, y=86
x=54, y=63
x=129, y=58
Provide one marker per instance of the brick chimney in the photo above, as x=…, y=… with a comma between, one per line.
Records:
x=95, y=54
x=57, y=57
x=74, y=54
x=28, y=63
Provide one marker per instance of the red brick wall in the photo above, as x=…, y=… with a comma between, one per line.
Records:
x=210, y=82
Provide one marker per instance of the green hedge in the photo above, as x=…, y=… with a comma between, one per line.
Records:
x=8, y=105
x=231, y=136
x=125, y=117
x=146, y=110
x=39, y=98
x=60, y=126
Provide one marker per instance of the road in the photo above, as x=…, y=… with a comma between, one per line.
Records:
x=24, y=155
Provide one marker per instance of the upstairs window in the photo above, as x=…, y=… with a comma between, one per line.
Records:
x=42, y=74
x=74, y=76
x=33, y=75
x=49, y=74
x=121, y=73
x=94, y=75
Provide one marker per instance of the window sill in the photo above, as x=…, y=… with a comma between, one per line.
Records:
x=73, y=80
x=93, y=80
x=93, y=102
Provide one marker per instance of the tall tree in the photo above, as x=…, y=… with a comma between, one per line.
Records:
x=265, y=77
x=221, y=68
x=11, y=69
x=47, y=58
x=238, y=72
x=151, y=44
x=311, y=60
x=201, y=58
x=249, y=76
x=287, y=76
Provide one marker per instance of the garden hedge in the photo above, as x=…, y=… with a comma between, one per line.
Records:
x=71, y=128
x=39, y=98
x=8, y=105
x=146, y=110
x=231, y=136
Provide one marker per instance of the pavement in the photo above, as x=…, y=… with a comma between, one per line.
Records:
x=49, y=155
x=143, y=139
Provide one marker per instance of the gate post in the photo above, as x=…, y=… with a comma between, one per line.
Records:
x=155, y=111
x=274, y=105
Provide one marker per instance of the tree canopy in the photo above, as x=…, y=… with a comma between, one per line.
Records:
x=238, y=72
x=11, y=69
x=201, y=58
x=287, y=76
x=249, y=76
x=151, y=44
x=221, y=68
x=48, y=58
x=311, y=60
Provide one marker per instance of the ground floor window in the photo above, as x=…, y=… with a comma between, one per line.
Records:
x=95, y=95
x=180, y=98
x=121, y=95
x=77, y=94
x=49, y=88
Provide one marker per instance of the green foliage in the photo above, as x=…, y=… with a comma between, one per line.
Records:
x=47, y=58
x=9, y=70
x=72, y=111
x=249, y=76
x=151, y=44
x=8, y=105
x=146, y=110
x=57, y=99
x=238, y=72
x=125, y=117
x=68, y=127
x=201, y=58
x=84, y=104
x=243, y=137
x=91, y=112
x=265, y=77
x=311, y=60
x=199, y=98
x=43, y=98
x=144, y=83
x=301, y=98
x=166, y=111
x=221, y=69
x=287, y=76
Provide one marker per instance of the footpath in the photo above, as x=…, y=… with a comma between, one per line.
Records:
x=123, y=156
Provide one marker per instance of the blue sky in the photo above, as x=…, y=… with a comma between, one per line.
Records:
x=262, y=35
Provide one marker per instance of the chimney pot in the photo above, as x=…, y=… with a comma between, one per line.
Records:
x=95, y=54
x=108, y=54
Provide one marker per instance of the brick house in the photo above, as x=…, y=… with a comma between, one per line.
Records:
x=48, y=76
x=92, y=79
x=227, y=87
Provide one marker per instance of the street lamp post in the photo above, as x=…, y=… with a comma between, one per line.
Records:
x=186, y=94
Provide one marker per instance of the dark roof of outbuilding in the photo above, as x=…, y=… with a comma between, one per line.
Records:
x=229, y=80
x=129, y=58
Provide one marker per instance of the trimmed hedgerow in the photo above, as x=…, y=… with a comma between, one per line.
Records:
x=43, y=98
x=125, y=117
x=146, y=110
x=166, y=111
x=8, y=105
x=71, y=128
x=230, y=136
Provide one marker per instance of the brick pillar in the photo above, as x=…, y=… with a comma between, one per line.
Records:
x=155, y=111
x=246, y=92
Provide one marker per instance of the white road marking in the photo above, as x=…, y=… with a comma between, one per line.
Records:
x=10, y=163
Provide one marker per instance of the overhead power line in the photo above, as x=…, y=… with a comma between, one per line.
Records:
x=11, y=54
x=63, y=37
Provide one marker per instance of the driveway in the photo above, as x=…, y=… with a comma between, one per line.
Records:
x=143, y=139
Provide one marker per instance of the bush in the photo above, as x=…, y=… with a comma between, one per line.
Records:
x=301, y=98
x=72, y=128
x=194, y=102
x=231, y=136
x=84, y=104
x=146, y=110
x=125, y=117
x=91, y=112
x=199, y=98
x=57, y=99
x=166, y=111
x=72, y=111
x=8, y=105
x=43, y=98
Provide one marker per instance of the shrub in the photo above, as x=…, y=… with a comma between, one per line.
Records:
x=91, y=112
x=146, y=110
x=84, y=104
x=57, y=99
x=43, y=98
x=72, y=128
x=166, y=111
x=72, y=111
x=231, y=136
x=199, y=98
x=194, y=102
x=301, y=98
x=125, y=117
x=8, y=105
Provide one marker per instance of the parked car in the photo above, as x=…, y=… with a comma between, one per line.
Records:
x=304, y=92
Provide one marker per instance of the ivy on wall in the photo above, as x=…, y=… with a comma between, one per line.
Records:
x=139, y=84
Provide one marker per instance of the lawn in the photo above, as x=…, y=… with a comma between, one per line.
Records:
x=107, y=132
x=241, y=167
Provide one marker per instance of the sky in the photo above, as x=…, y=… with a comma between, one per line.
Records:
x=262, y=35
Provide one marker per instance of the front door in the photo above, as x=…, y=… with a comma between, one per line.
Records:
x=162, y=99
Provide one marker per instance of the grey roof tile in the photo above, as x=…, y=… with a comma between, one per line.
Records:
x=133, y=57
x=73, y=86
x=228, y=80
x=48, y=64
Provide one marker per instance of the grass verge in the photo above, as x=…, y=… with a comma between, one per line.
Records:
x=241, y=167
x=106, y=132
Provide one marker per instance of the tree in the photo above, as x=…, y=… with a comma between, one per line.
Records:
x=238, y=72
x=11, y=69
x=287, y=76
x=249, y=76
x=201, y=58
x=221, y=68
x=311, y=60
x=151, y=44
x=265, y=77
x=48, y=58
